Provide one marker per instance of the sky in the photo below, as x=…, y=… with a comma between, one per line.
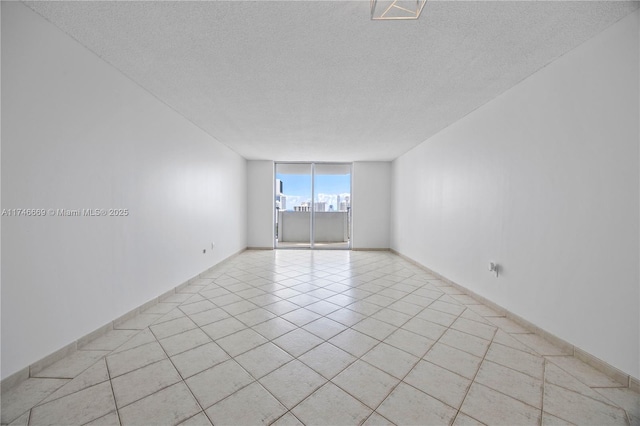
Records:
x=297, y=188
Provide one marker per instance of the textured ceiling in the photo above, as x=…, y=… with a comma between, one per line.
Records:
x=318, y=80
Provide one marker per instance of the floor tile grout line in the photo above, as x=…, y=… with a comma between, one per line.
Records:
x=409, y=372
x=474, y=378
x=113, y=393
x=182, y=379
x=544, y=384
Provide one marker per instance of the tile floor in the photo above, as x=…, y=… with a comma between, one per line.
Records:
x=319, y=337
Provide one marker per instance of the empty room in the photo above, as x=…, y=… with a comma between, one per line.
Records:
x=369, y=212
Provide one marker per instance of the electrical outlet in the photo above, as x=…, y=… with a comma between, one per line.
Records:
x=204, y=251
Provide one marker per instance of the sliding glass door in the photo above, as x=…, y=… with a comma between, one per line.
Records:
x=313, y=205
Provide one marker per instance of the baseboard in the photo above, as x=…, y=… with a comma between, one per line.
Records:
x=34, y=368
x=595, y=362
x=370, y=249
x=259, y=248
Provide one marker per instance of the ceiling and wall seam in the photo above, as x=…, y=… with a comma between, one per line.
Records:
x=124, y=74
x=516, y=84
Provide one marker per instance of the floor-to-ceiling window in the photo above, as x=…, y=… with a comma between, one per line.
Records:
x=313, y=205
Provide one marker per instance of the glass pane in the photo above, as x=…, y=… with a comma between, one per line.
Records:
x=293, y=205
x=332, y=206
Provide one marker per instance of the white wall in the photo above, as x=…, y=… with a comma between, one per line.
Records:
x=543, y=180
x=370, y=204
x=261, y=198
x=78, y=134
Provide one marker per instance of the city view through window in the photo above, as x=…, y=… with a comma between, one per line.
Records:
x=293, y=192
x=313, y=205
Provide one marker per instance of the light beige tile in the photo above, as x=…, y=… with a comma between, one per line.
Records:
x=274, y=328
x=250, y=406
x=226, y=300
x=465, y=342
x=484, y=331
x=327, y=359
x=19, y=399
x=171, y=315
x=367, y=383
x=110, y=419
x=364, y=308
x=23, y=420
x=199, y=359
x=583, y=372
x=409, y=406
x=139, y=322
x=425, y=328
x=287, y=419
x=375, y=328
x=346, y=316
x=557, y=376
x=209, y=316
x=517, y=360
x=441, y=318
x=464, y=420
x=264, y=299
x=93, y=375
x=77, y=408
x=281, y=307
x=263, y=359
x=123, y=362
x=509, y=340
x=493, y=408
x=222, y=328
x=196, y=307
x=376, y=419
x=176, y=298
x=110, y=340
x=199, y=419
x=579, y=409
x=354, y=342
x=510, y=382
x=450, y=308
x=392, y=317
x=330, y=405
x=240, y=342
x=323, y=307
x=454, y=360
x=540, y=345
x=549, y=420
x=292, y=383
x=71, y=365
x=626, y=399
x=391, y=360
x=228, y=377
x=301, y=317
x=144, y=381
x=255, y=317
x=474, y=316
x=410, y=342
x=172, y=327
x=142, y=338
x=507, y=325
x=169, y=406
x=184, y=341
x=324, y=328
x=406, y=308
x=297, y=342
x=341, y=300
x=441, y=384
